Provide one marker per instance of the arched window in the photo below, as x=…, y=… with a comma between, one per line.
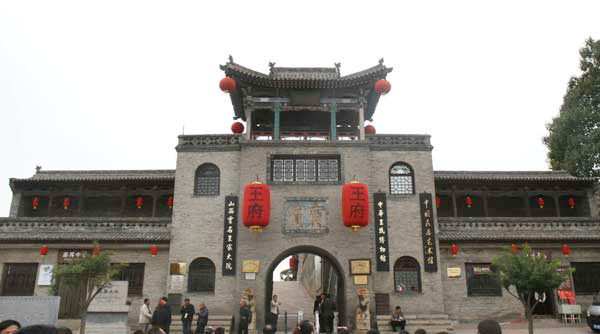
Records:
x=201, y=276
x=402, y=181
x=407, y=275
x=207, y=180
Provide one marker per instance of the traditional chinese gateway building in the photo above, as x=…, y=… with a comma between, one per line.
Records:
x=307, y=173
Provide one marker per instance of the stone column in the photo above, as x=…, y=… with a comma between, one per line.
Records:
x=556, y=203
x=154, y=204
x=454, y=210
x=276, y=121
x=333, y=122
x=361, y=123
x=248, y=123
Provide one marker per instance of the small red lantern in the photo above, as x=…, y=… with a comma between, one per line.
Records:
x=454, y=249
x=96, y=251
x=571, y=203
x=355, y=205
x=257, y=206
x=170, y=202
x=154, y=250
x=469, y=201
x=370, y=130
x=35, y=203
x=540, y=202
x=382, y=86
x=292, y=263
x=566, y=250
x=44, y=250
x=515, y=249
x=66, y=203
x=227, y=85
x=237, y=127
x=438, y=201
x=139, y=202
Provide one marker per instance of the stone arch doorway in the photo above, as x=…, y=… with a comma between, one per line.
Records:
x=341, y=286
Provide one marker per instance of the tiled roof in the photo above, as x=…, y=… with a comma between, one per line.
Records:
x=304, y=73
x=98, y=175
x=509, y=176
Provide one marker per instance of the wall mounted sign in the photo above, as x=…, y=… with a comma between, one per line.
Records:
x=230, y=235
x=250, y=266
x=381, y=232
x=361, y=280
x=305, y=215
x=176, y=283
x=360, y=267
x=68, y=255
x=45, y=276
x=428, y=230
x=453, y=272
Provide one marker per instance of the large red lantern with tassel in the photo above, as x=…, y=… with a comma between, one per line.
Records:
x=571, y=203
x=438, y=201
x=139, y=202
x=515, y=249
x=170, y=202
x=154, y=250
x=454, y=249
x=566, y=250
x=66, y=203
x=44, y=250
x=35, y=203
x=469, y=201
x=227, y=85
x=540, y=202
x=382, y=86
x=237, y=127
x=257, y=206
x=370, y=130
x=355, y=205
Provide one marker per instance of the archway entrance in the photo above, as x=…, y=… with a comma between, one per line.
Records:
x=310, y=263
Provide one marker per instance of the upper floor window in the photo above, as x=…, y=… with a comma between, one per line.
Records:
x=207, y=180
x=305, y=168
x=402, y=180
x=201, y=277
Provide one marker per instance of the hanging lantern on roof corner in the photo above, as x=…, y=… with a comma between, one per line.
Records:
x=370, y=130
x=44, y=250
x=139, y=202
x=35, y=203
x=170, y=202
x=438, y=201
x=571, y=202
x=256, y=206
x=566, y=250
x=454, y=249
x=227, y=85
x=355, y=205
x=237, y=127
x=469, y=201
x=154, y=250
x=382, y=86
x=540, y=202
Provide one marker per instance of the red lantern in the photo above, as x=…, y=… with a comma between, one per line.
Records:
x=469, y=201
x=454, y=249
x=227, y=85
x=566, y=250
x=139, y=202
x=170, y=202
x=154, y=250
x=257, y=206
x=515, y=249
x=540, y=202
x=237, y=127
x=571, y=203
x=44, y=250
x=96, y=251
x=355, y=205
x=382, y=86
x=35, y=203
x=370, y=130
x=438, y=201
x=66, y=203
x=293, y=263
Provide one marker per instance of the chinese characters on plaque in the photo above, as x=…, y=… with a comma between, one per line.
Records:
x=230, y=235
x=428, y=228
x=381, y=232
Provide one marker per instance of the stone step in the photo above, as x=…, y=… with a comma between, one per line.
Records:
x=414, y=316
x=433, y=322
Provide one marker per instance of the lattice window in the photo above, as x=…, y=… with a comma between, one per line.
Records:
x=481, y=280
x=401, y=179
x=201, y=277
x=278, y=170
x=407, y=275
x=586, y=277
x=18, y=279
x=207, y=180
x=134, y=275
x=305, y=168
x=288, y=170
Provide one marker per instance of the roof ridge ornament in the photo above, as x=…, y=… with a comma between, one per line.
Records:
x=337, y=67
x=230, y=59
x=271, y=66
x=381, y=61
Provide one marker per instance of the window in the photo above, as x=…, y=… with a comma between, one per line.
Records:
x=481, y=280
x=402, y=180
x=134, y=274
x=207, y=180
x=585, y=277
x=201, y=277
x=407, y=275
x=18, y=279
x=305, y=168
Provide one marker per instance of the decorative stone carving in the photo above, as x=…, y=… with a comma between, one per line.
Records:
x=362, y=314
x=305, y=215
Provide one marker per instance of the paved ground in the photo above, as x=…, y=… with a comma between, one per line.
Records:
x=549, y=326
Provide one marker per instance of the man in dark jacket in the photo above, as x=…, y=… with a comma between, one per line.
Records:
x=161, y=317
x=245, y=318
x=202, y=319
x=187, y=316
x=327, y=309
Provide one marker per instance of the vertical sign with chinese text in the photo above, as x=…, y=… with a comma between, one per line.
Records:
x=230, y=235
x=428, y=228
x=381, y=232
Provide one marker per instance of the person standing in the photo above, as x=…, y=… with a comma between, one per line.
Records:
x=145, y=315
x=245, y=318
x=187, y=316
x=162, y=315
x=202, y=319
x=274, y=313
x=327, y=309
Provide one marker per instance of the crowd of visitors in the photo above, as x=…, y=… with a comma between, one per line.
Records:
x=159, y=321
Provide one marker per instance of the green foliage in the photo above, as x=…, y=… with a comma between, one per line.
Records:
x=574, y=136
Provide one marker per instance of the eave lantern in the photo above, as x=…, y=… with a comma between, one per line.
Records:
x=571, y=203
x=382, y=86
x=370, y=130
x=35, y=203
x=170, y=202
x=139, y=202
x=257, y=206
x=154, y=250
x=237, y=127
x=469, y=201
x=515, y=249
x=454, y=249
x=44, y=250
x=227, y=85
x=540, y=202
x=438, y=201
x=566, y=250
x=355, y=205
x=66, y=203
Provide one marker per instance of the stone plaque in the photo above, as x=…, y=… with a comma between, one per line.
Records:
x=250, y=266
x=112, y=298
x=176, y=283
x=305, y=215
x=453, y=272
x=35, y=310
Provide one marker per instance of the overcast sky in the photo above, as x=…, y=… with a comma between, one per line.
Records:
x=110, y=84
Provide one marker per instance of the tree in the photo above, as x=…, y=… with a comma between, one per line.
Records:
x=574, y=136
x=528, y=273
x=95, y=271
